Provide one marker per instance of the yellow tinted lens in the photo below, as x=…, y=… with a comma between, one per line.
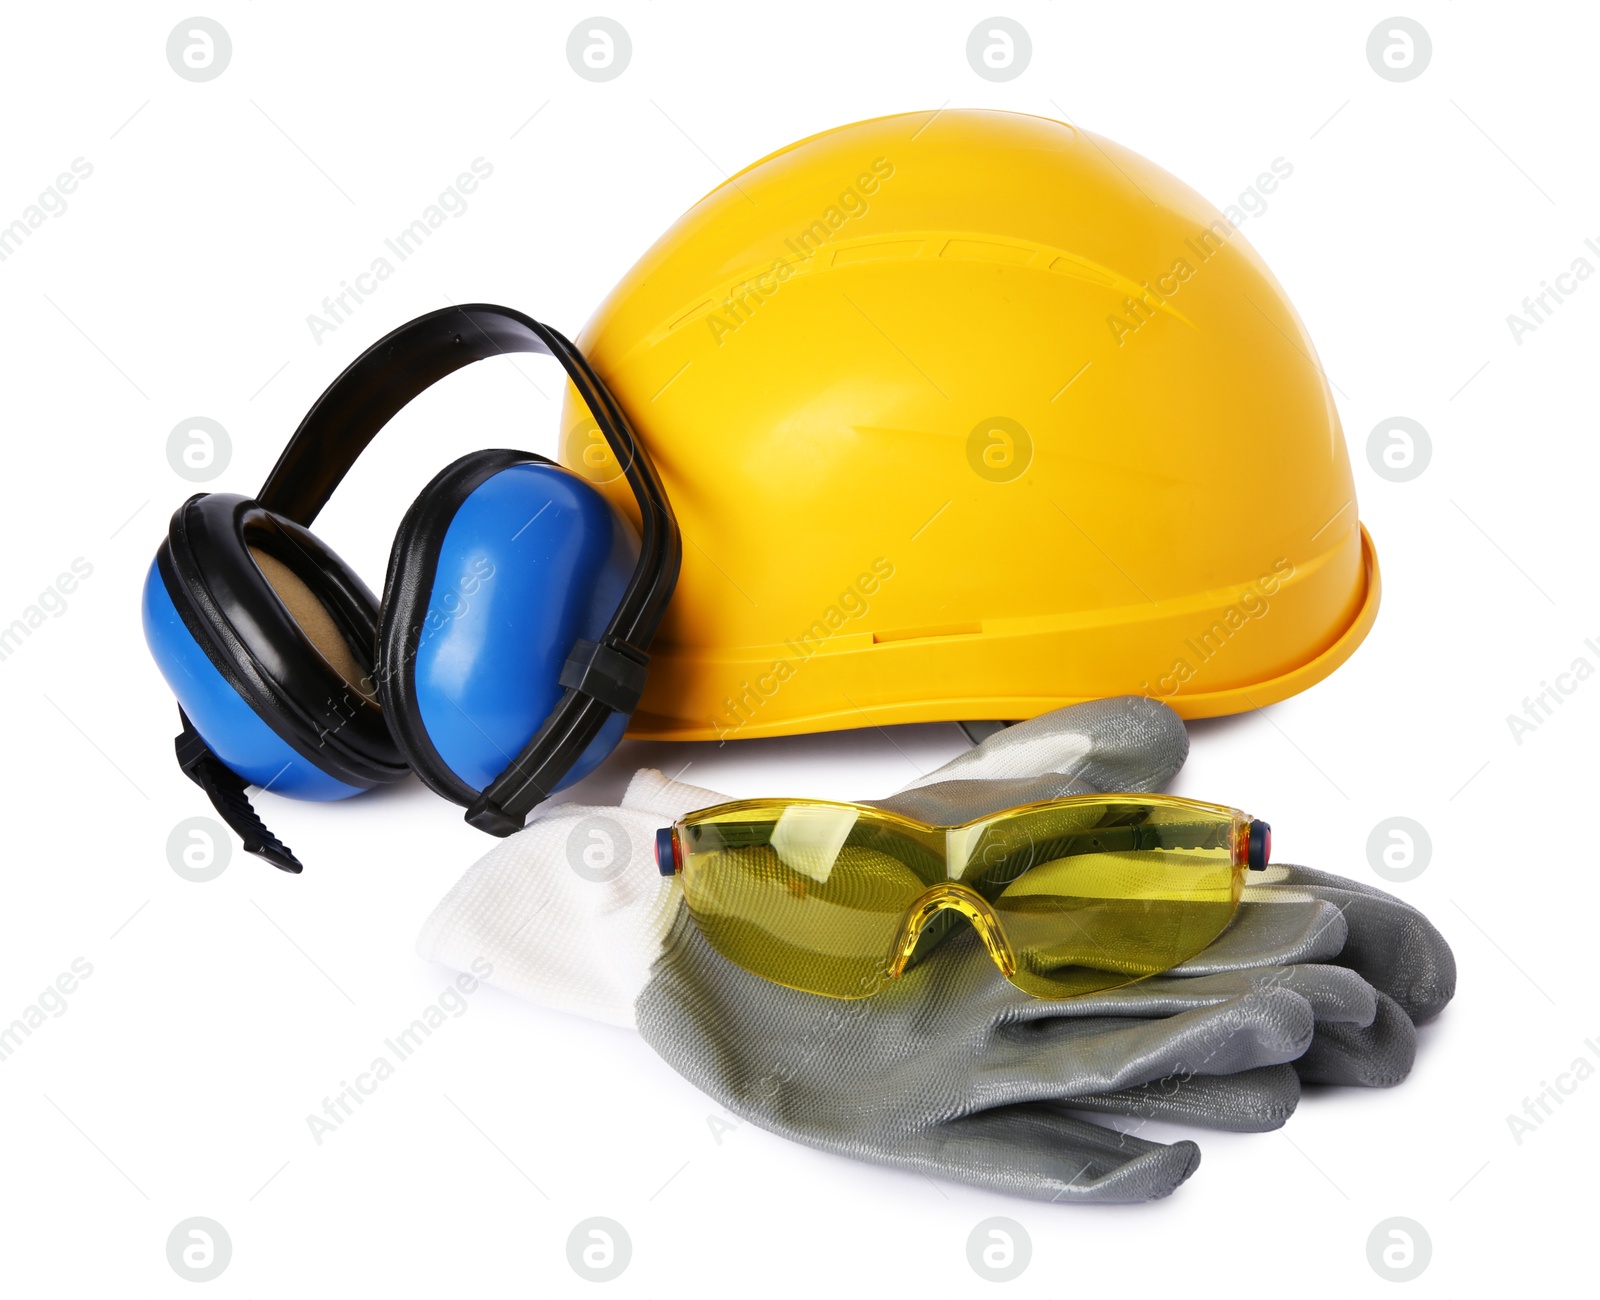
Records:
x=810, y=895
x=1091, y=902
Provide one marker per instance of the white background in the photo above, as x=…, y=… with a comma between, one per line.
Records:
x=218, y=1015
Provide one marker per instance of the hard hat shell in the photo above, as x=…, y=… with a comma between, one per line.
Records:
x=973, y=414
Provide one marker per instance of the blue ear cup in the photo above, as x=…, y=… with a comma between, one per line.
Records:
x=245, y=743
x=255, y=678
x=504, y=562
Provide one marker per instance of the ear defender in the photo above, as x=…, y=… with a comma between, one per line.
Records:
x=265, y=637
x=511, y=645
x=504, y=563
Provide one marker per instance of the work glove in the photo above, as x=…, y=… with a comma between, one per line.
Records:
x=950, y=1070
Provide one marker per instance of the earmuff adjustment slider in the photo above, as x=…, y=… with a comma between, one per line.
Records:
x=611, y=671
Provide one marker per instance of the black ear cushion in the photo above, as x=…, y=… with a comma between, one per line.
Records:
x=254, y=638
x=413, y=565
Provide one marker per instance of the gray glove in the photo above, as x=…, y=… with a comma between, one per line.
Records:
x=1291, y=916
x=950, y=1070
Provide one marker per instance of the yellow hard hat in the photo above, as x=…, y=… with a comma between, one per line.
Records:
x=972, y=415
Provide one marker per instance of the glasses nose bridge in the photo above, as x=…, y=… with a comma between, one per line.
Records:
x=950, y=896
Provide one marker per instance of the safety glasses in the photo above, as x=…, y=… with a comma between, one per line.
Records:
x=1069, y=896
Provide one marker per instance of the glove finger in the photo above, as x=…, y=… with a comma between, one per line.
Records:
x=1128, y=743
x=1391, y=945
x=1138, y=1017
x=1034, y=1059
x=1044, y=1154
x=1335, y=993
x=1268, y=931
x=1251, y=1101
x=1377, y=1055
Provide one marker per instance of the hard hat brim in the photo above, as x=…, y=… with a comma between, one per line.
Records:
x=756, y=721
